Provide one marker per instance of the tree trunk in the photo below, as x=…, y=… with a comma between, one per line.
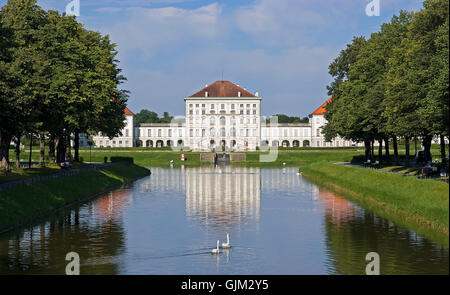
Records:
x=60, y=149
x=407, y=151
x=415, y=145
x=42, y=150
x=31, y=150
x=442, y=138
x=5, y=141
x=51, y=149
x=367, y=149
x=68, y=152
x=394, y=142
x=17, y=151
x=386, y=149
x=427, y=147
x=380, y=150
x=76, y=145
x=372, y=154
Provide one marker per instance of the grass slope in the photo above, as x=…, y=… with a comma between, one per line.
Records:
x=22, y=204
x=413, y=202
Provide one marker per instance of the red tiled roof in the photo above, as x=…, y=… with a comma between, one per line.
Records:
x=128, y=112
x=223, y=89
x=321, y=110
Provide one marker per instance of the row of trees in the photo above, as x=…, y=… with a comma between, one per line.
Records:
x=290, y=119
x=57, y=80
x=394, y=84
x=146, y=116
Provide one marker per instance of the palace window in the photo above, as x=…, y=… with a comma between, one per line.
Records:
x=222, y=121
x=191, y=112
x=318, y=132
x=232, y=106
x=233, y=121
x=196, y=105
x=248, y=105
x=212, y=106
x=190, y=105
x=170, y=132
x=222, y=106
x=212, y=121
x=242, y=105
x=203, y=112
x=241, y=112
x=233, y=132
x=180, y=133
x=254, y=105
x=203, y=105
x=254, y=112
x=149, y=132
x=191, y=132
x=159, y=132
x=222, y=132
x=212, y=132
x=127, y=132
x=203, y=132
x=248, y=112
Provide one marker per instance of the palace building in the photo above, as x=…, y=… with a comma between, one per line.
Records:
x=223, y=116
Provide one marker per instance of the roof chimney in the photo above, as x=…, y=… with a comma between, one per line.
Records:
x=239, y=94
x=206, y=85
x=206, y=93
x=257, y=94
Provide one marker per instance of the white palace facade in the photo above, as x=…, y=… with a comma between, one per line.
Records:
x=222, y=116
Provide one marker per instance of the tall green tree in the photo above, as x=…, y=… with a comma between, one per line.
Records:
x=23, y=18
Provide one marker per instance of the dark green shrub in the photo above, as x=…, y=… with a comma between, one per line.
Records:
x=122, y=159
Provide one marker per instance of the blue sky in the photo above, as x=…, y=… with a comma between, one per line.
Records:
x=170, y=49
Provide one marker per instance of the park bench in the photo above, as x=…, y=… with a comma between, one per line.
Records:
x=366, y=163
x=376, y=164
x=65, y=165
x=428, y=171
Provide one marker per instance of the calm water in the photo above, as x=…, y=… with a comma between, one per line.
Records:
x=168, y=223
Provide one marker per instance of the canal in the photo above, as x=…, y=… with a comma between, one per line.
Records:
x=168, y=223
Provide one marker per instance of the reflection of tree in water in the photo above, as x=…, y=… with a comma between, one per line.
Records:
x=352, y=232
x=94, y=231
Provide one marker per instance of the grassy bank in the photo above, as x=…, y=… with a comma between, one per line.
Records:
x=25, y=203
x=422, y=205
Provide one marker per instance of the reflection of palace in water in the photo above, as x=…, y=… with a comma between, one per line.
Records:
x=223, y=196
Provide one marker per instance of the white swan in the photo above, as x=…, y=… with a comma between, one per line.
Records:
x=216, y=250
x=227, y=244
x=284, y=163
x=171, y=161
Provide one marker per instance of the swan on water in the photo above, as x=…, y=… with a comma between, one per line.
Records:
x=216, y=251
x=171, y=161
x=284, y=163
x=227, y=244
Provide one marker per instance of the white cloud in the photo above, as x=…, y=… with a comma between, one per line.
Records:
x=148, y=31
x=288, y=22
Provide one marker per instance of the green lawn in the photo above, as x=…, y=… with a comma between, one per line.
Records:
x=420, y=204
x=24, y=203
